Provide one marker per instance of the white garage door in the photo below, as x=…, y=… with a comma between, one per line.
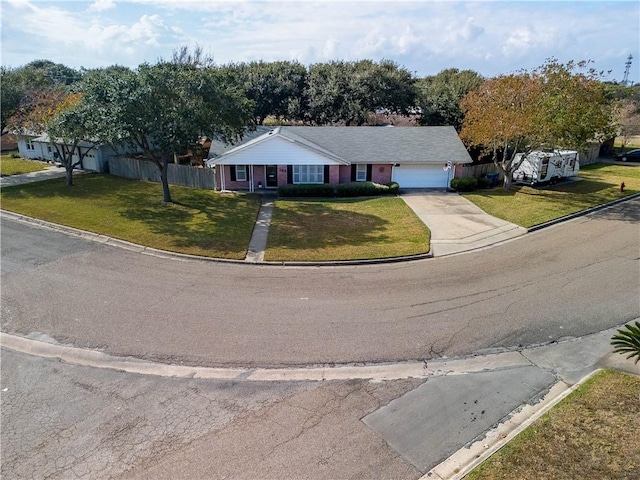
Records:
x=420, y=176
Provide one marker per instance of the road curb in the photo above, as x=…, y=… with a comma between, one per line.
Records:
x=313, y=373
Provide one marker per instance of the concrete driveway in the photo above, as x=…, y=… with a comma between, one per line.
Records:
x=456, y=224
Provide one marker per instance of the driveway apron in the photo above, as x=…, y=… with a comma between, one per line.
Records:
x=456, y=224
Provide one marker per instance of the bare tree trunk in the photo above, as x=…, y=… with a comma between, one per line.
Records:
x=507, y=182
x=68, y=176
x=164, y=178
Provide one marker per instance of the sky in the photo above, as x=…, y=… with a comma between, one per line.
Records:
x=425, y=37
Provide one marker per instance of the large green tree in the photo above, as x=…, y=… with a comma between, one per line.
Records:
x=347, y=93
x=439, y=96
x=19, y=85
x=165, y=107
x=554, y=106
x=61, y=115
x=276, y=88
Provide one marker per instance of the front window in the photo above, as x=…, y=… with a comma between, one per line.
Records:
x=308, y=174
x=30, y=145
x=361, y=172
x=241, y=173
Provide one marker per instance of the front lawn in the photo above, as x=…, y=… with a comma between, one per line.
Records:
x=592, y=434
x=15, y=166
x=348, y=229
x=527, y=206
x=200, y=222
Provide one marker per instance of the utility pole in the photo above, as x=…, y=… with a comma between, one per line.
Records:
x=627, y=67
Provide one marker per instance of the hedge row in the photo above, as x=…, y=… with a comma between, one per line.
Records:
x=353, y=189
x=468, y=184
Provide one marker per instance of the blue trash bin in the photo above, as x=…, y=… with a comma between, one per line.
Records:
x=494, y=177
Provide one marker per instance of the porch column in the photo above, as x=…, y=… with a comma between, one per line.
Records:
x=222, y=182
x=251, y=178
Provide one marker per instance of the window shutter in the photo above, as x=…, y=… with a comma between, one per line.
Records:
x=353, y=173
x=289, y=174
x=326, y=174
x=233, y=173
x=369, y=170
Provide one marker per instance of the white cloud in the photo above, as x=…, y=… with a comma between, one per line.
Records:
x=101, y=5
x=424, y=36
x=97, y=41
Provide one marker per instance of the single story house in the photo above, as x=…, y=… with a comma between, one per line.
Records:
x=40, y=147
x=415, y=157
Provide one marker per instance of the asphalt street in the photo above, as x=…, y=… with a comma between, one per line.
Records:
x=65, y=420
x=566, y=281
x=61, y=421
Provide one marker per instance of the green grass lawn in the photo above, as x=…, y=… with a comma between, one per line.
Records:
x=200, y=222
x=15, y=166
x=593, y=434
x=527, y=206
x=322, y=230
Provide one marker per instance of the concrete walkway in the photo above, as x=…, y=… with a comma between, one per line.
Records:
x=31, y=177
x=456, y=224
x=258, y=242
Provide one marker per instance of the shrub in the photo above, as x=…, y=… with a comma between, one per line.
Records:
x=393, y=187
x=361, y=189
x=484, y=182
x=353, y=189
x=307, y=190
x=15, y=155
x=464, y=184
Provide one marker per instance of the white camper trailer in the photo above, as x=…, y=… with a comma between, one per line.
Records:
x=546, y=167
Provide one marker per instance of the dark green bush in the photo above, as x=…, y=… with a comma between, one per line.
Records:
x=353, y=189
x=484, y=182
x=361, y=189
x=307, y=190
x=464, y=184
x=393, y=187
x=15, y=155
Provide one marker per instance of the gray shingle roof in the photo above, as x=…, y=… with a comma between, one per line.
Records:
x=374, y=144
x=219, y=148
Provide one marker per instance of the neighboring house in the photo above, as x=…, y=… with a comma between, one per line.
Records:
x=40, y=147
x=415, y=157
x=8, y=142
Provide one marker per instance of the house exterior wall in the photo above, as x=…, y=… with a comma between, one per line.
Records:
x=259, y=176
x=381, y=173
x=282, y=175
x=233, y=184
x=345, y=174
x=334, y=174
x=34, y=153
x=96, y=159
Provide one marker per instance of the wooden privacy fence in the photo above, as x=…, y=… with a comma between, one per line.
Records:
x=185, y=175
x=476, y=170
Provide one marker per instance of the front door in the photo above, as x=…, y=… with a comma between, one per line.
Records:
x=272, y=176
